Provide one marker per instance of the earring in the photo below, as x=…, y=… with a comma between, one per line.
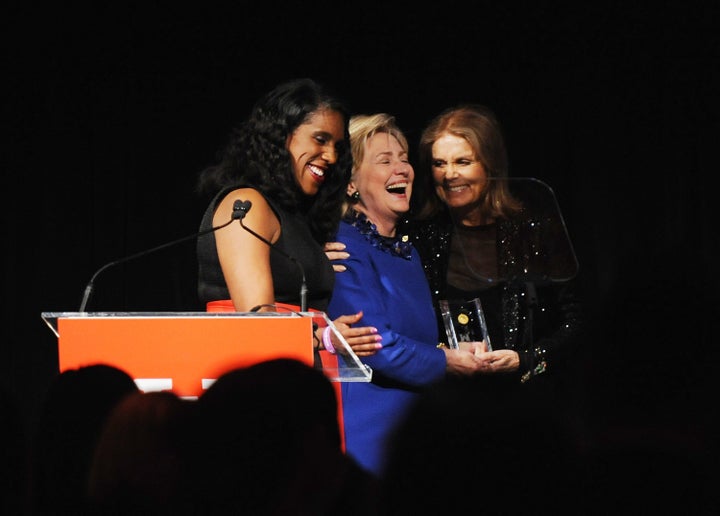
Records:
x=355, y=196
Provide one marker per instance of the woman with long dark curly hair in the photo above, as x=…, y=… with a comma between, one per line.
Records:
x=291, y=160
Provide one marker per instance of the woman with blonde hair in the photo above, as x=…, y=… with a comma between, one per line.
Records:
x=383, y=275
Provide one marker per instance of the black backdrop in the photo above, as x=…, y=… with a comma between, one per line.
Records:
x=110, y=112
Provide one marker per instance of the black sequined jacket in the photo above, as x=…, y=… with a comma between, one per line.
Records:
x=541, y=317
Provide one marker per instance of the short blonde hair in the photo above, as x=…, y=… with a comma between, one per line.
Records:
x=364, y=127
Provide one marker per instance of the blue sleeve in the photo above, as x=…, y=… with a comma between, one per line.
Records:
x=393, y=294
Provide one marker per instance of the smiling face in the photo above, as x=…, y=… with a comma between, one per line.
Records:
x=460, y=178
x=313, y=147
x=384, y=181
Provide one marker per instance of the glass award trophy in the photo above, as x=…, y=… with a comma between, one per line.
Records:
x=464, y=322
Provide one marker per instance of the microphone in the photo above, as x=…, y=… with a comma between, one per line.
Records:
x=240, y=209
x=91, y=284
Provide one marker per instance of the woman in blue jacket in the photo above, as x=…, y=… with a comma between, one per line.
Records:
x=383, y=276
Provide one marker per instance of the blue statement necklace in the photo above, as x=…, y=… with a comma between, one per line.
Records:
x=398, y=245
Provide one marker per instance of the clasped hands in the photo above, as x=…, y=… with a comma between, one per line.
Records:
x=475, y=358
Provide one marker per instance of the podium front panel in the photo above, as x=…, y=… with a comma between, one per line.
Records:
x=182, y=354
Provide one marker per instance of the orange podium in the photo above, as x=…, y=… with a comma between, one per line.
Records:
x=185, y=352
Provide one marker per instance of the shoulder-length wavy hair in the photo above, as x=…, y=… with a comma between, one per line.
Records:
x=477, y=125
x=257, y=155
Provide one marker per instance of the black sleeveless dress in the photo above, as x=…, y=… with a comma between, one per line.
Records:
x=295, y=240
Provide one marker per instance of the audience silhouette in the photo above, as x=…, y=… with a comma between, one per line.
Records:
x=71, y=418
x=473, y=445
x=139, y=465
x=469, y=446
x=265, y=440
x=269, y=443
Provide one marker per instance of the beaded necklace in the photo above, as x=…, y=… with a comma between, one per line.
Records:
x=399, y=246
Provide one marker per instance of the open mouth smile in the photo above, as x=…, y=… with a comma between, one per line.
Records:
x=455, y=188
x=317, y=173
x=397, y=188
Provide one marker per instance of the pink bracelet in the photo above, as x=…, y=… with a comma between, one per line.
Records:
x=327, y=340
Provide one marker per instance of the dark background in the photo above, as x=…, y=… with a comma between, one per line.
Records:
x=111, y=111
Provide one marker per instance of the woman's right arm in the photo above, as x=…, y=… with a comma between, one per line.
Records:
x=245, y=259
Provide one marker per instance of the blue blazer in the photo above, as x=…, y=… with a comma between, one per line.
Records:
x=394, y=295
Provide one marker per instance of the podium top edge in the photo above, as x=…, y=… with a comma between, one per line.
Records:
x=60, y=315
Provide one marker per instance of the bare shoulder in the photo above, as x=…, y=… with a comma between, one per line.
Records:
x=260, y=216
x=259, y=204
